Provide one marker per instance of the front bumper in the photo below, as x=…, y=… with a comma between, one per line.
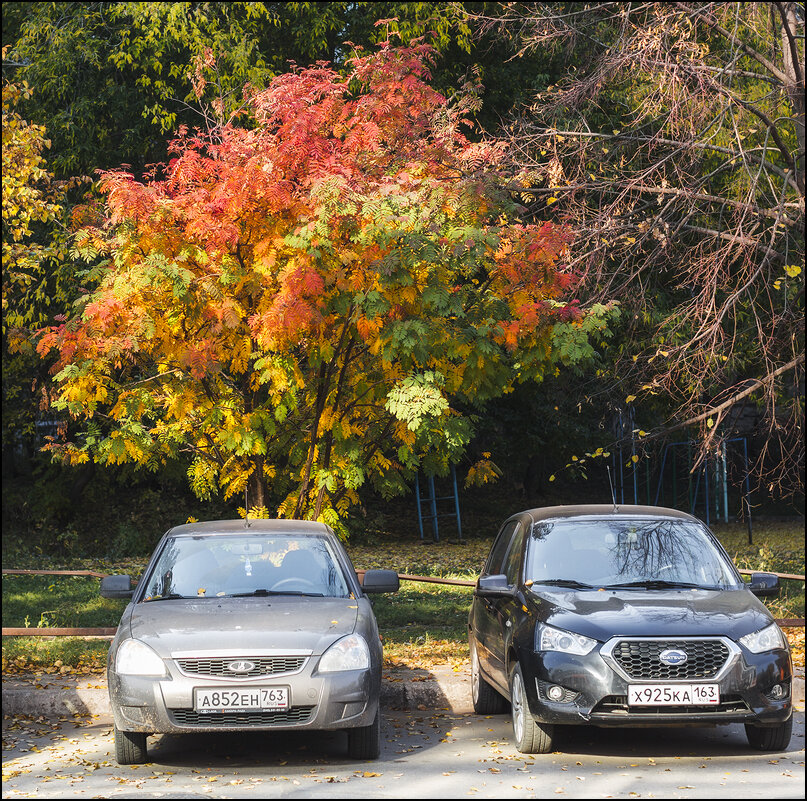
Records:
x=596, y=690
x=339, y=700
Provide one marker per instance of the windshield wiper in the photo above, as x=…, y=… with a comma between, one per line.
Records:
x=170, y=597
x=655, y=584
x=263, y=592
x=573, y=583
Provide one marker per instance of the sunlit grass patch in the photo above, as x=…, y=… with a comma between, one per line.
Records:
x=424, y=651
x=424, y=623
x=57, y=601
x=54, y=655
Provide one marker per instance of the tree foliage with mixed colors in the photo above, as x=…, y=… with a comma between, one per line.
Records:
x=36, y=282
x=315, y=300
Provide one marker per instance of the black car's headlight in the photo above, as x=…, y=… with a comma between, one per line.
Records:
x=135, y=658
x=768, y=639
x=548, y=638
x=349, y=653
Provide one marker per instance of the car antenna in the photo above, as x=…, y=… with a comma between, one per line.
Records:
x=613, y=494
x=246, y=507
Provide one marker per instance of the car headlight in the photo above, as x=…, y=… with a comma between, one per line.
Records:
x=551, y=639
x=349, y=653
x=135, y=658
x=767, y=639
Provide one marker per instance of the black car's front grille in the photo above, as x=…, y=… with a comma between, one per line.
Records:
x=187, y=717
x=617, y=705
x=640, y=658
x=256, y=666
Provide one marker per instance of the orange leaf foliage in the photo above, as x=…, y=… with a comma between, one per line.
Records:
x=273, y=285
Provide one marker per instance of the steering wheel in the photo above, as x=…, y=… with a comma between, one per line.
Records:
x=294, y=581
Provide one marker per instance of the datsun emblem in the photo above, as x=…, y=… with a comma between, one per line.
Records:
x=672, y=656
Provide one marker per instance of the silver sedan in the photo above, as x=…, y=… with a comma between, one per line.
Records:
x=234, y=625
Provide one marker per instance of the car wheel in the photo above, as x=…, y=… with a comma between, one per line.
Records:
x=485, y=699
x=530, y=736
x=130, y=747
x=364, y=742
x=770, y=738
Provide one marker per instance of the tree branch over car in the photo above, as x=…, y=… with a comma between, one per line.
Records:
x=675, y=148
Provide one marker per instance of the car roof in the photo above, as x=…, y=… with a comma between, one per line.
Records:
x=607, y=510
x=253, y=526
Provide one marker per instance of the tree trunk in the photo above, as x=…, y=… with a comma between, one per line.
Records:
x=256, y=486
x=793, y=63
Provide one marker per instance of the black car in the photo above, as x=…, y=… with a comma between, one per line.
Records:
x=628, y=616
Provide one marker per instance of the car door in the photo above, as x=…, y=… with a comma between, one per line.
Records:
x=493, y=610
x=506, y=608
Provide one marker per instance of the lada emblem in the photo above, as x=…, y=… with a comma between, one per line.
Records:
x=673, y=656
x=240, y=666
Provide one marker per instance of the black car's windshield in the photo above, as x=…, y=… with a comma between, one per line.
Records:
x=216, y=566
x=625, y=553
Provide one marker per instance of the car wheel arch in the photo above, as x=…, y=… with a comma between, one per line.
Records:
x=512, y=659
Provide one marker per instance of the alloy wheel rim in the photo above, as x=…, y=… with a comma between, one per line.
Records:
x=474, y=672
x=518, y=707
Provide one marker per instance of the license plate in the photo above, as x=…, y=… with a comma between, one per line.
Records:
x=673, y=694
x=240, y=699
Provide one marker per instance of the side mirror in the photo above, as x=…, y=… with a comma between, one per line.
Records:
x=117, y=587
x=495, y=584
x=380, y=581
x=764, y=585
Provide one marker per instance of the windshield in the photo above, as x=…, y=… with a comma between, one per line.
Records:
x=625, y=552
x=252, y=564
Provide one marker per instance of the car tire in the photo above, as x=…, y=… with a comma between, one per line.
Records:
x=530, y=736
x=130, y=747
x=485, y=699
x=770, y=738
x=364, y=742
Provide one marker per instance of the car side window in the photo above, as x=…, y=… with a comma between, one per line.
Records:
x=512, y=561
x=495, y=562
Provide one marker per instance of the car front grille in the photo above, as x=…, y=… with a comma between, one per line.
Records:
x=639, y=659
x=220, y=667
x=286, y=717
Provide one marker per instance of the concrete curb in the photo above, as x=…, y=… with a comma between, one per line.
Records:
x=440, y=689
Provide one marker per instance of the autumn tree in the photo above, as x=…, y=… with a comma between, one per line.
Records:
x=675, y=144
x=112, y=78
x=303, y=304
x=35, y=283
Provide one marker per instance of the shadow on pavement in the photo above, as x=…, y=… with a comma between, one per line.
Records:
x=420, y=732
x=728, y=740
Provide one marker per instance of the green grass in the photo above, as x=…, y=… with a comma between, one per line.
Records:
x=63, y=655
x=775, y=546
x=57, y=601
x=422, y=624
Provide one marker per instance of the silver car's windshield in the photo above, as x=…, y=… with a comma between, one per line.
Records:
x=625, y=553
x=215, y=566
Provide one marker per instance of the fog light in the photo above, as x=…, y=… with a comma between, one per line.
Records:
x=555, y=693
x=777, y=691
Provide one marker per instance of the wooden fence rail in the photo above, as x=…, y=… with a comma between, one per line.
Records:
x=110, y=632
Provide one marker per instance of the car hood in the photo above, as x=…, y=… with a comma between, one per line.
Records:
x=243, y=624
x=604, y=613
